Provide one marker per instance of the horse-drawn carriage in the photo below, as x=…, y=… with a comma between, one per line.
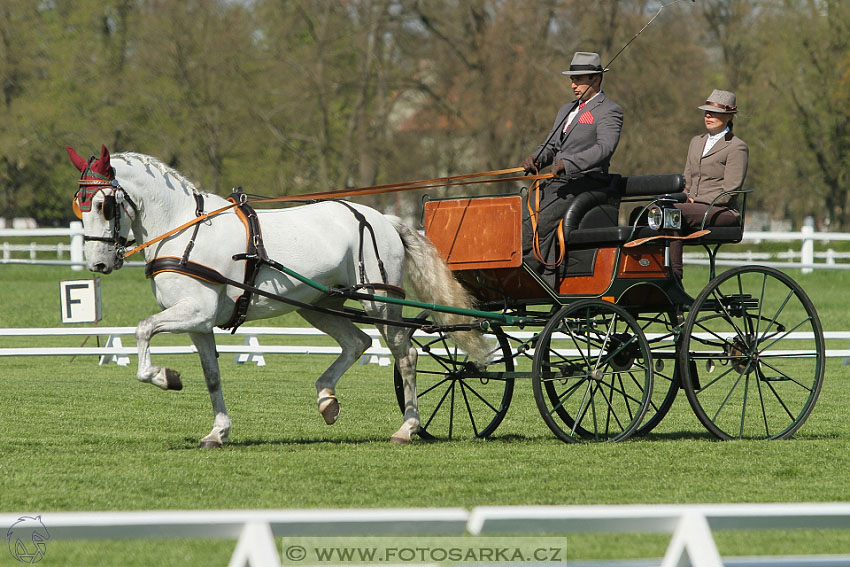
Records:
x=609, y=346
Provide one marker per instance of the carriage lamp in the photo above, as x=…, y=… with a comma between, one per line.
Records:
x=664, y=218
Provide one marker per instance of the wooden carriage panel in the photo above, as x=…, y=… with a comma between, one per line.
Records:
x=501, y=283
x=598, y=282
x=642, y=262
x=483, y=233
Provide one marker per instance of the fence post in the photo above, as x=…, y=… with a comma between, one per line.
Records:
x=807, y=253
x=76, y=244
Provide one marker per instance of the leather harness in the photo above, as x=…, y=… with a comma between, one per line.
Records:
x=255, y=257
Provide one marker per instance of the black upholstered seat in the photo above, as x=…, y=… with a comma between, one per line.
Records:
x=592, y=218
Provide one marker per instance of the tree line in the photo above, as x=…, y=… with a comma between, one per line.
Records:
x=292, y=96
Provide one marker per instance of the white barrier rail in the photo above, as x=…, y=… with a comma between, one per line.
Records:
x=691, y=526
x=249, y=351
x=252, y=351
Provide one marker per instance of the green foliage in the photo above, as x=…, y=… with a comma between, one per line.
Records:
x=288, y=97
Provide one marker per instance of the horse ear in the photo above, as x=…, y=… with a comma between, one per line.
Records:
x=76, y=159
x=101, y=166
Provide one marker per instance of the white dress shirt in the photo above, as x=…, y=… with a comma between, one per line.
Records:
x=572, y=115
x=713, y=139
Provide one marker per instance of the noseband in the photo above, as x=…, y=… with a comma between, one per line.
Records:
x=91, y=183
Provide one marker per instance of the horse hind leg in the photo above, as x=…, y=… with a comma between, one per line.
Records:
x=405, y=354
x=353, y=342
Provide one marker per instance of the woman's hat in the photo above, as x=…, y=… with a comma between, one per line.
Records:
x=585, y=63
x=720, y=101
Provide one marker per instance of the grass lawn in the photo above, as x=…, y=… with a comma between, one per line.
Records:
x=78, y=436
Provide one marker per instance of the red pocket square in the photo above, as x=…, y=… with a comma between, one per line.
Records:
x=586, y=118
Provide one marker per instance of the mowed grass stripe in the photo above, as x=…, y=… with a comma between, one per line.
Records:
x=78, y=436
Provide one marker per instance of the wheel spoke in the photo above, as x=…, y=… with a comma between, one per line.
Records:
x=761, y=399
x=443, y=381
x=744, y=406
x=583, y=407
x=784, y=375
x=468, y=408
x=787, y=333
x=779, y=310
x=439, y=405
x=729, y=395
x=720, y=377
x=781, y=402
x=562, y=398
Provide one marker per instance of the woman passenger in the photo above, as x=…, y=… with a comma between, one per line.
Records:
x=716, y=163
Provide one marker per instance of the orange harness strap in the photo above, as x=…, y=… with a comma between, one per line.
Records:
x=533, y=213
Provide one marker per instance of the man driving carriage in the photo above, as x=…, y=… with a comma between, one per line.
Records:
x=579, y=149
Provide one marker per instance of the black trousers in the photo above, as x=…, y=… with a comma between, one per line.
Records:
x=692, y=215
x=556, y=195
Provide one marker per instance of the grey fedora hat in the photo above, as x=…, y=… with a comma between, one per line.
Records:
x=585, y=63
x=720, y=101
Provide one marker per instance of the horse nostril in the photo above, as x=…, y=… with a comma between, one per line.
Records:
x=100, y=267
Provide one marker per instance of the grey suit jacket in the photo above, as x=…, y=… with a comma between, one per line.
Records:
x=590, y=141
x=723, y=168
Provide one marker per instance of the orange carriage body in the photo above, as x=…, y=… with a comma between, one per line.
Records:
x=481, y=240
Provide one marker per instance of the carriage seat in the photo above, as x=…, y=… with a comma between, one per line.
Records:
x=592, y=219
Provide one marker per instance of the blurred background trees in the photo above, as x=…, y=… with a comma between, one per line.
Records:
x=292, y=96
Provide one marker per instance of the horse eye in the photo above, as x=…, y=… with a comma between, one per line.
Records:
x=109, y=207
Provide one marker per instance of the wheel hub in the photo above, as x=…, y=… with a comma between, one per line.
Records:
x=738, y=355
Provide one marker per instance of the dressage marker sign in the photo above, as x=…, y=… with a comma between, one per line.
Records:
x=80, y=301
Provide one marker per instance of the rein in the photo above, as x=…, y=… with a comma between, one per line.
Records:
x=370, y=190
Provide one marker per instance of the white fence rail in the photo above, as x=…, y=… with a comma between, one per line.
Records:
x=806, y=255
x=251, y=350
x=691, y=526
x=114, y=350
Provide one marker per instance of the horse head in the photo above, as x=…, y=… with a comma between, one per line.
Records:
x=105, y=209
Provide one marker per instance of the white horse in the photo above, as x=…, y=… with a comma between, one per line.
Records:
x=321, y=241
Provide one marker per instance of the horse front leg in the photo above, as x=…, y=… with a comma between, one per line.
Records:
x=189, y=307
x=205, y=343
x=171, y=320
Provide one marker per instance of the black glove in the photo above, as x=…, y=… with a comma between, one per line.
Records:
x=529, y=164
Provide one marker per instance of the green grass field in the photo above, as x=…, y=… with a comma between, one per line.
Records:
x=81, y=437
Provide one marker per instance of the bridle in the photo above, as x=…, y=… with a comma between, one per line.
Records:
x=91, y=183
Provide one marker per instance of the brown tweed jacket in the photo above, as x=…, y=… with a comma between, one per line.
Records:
x=724, y=168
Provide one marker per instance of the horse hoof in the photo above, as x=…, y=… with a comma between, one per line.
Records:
x=401, y=438
x=209, y=444
x=172, y=379
x=329, y=408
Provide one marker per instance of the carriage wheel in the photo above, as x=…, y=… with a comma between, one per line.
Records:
x=759, y=379
x=592, y=373
x=665, y=376
x=456, y=399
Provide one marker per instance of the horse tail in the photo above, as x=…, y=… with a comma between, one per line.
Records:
x=433, y=282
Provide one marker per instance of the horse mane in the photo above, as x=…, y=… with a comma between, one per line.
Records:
x=151, y=161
